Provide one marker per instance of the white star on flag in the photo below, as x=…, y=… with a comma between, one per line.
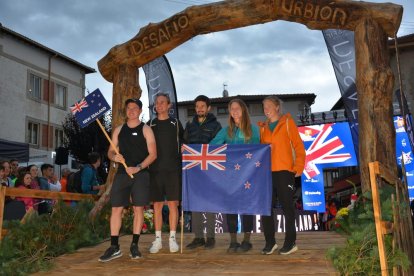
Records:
x=247, y=185
x=237, y=167
x=258, y=164
x=248, y=155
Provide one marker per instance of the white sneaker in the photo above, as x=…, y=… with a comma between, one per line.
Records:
x=173, y=245
x=156, y=246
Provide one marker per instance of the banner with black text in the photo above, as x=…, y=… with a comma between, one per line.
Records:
x=341, y=48
x=159, y=79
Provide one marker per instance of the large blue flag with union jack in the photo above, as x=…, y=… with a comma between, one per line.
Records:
x=229, y=179
x=90, y=108
x=327, y=146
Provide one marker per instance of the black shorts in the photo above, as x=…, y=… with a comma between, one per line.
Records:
x=165, y=185
x=124, y=189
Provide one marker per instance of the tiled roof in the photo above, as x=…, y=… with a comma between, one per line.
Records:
x=403, y=41
x=47, y=49
x=309, y=97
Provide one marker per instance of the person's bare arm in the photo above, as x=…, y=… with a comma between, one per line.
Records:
x=111, y=151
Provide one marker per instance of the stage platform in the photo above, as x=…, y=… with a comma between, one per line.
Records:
x=310, y=259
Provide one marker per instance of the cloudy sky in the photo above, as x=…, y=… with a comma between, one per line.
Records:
x=278, y=57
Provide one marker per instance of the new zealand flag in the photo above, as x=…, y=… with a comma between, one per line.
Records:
x=229, y=179
x=90, y=108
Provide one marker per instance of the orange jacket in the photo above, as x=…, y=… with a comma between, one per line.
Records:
x=282, y=143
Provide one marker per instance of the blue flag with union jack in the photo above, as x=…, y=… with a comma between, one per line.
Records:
x=90, y=108
x=229, y=179
x=327, y=146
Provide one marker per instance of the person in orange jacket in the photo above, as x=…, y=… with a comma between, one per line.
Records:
x=288, y=161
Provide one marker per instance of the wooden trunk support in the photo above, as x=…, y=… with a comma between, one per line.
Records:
x=154, y=40
x=375, y=82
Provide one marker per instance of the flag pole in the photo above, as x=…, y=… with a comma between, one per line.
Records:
x=182, y=229
x=112, y=144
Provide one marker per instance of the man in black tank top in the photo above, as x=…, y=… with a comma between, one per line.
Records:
x=136, y=144
x=165, y=172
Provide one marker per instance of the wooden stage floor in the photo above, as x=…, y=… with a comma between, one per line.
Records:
x=310, y=259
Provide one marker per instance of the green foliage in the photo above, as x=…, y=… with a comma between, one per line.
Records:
x=31, y=246
x=360, y=255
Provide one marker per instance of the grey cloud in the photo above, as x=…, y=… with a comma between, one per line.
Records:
x=274, y=57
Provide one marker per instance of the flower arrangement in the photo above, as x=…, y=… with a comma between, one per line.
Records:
x=148, y=226
x=128, y=221
x=343, y=212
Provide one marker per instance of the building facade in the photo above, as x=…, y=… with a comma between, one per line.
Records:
x=37, y=87
x=405, y=66
x=292, y=103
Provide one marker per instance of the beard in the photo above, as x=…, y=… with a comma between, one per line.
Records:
x=201, y=116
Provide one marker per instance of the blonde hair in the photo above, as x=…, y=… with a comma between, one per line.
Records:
x=245, y=125
x=276, y=101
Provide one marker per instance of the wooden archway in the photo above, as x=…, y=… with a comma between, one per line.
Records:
x=372, y=24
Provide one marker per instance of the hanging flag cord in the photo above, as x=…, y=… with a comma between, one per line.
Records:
x=397, y=56
x=401, y=96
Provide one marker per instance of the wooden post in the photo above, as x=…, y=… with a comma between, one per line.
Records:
x=125, y=86
x=373, y=169
x=375, y=82
x=182, y=229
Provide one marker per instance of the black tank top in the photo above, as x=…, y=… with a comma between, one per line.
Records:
x=132, y=145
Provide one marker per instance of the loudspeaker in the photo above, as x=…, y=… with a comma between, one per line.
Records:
x=61, y=156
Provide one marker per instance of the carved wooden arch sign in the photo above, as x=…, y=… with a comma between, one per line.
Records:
x=154, y=40
x=372, y=24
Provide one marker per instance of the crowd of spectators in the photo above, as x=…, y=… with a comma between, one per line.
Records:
x=30, y=177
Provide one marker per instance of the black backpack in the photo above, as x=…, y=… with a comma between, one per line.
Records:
x=74, y=182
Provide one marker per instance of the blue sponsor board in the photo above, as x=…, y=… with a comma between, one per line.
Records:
x=330, y=146
x=327, y=146
x=404, y=153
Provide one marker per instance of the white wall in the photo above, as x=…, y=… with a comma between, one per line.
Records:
x=17, y=60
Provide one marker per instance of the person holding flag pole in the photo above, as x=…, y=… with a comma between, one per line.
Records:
x=137, y=149
x=133, y=145
x=239, y=131
x=90, y=109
